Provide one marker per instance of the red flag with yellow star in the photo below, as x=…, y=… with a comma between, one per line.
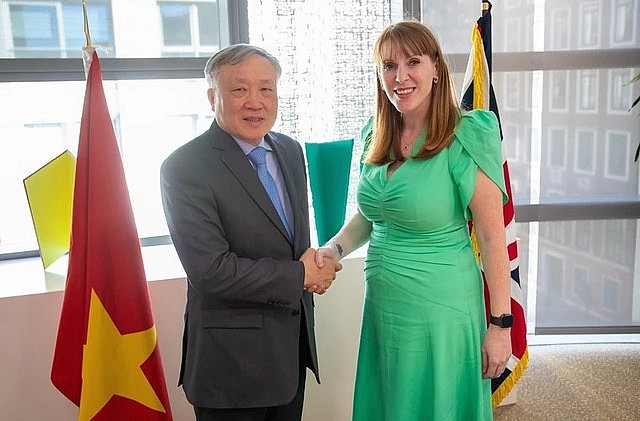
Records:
x=106, y=358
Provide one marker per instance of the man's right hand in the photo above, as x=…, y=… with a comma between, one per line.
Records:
x=318, y=279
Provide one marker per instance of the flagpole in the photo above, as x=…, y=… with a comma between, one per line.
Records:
x=88, y=49
x=87, y=32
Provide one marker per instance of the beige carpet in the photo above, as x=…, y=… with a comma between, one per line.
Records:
x=599, y=382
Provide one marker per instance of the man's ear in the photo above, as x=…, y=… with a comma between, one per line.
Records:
x=211, y=95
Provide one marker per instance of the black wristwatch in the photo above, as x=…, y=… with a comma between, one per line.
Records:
x=505, y=320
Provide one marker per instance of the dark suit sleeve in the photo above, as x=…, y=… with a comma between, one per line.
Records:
x=219, y=242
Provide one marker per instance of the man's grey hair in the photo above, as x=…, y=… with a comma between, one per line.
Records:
x=235, y=54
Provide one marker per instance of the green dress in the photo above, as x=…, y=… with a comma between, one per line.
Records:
x=423, y=318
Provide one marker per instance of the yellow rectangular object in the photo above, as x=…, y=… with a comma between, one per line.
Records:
x=50, y=195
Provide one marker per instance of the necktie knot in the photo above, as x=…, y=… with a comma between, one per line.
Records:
x=258, y=156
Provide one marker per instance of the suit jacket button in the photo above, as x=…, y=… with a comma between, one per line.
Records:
x=295, y=312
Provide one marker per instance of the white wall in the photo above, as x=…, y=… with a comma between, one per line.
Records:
x=28, y=327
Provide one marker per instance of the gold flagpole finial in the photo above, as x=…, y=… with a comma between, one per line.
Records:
x=87, y=50
x=87, y=33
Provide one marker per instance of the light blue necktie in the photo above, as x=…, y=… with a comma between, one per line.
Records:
x=258, y=157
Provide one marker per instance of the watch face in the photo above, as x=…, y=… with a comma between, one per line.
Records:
x=505, y=320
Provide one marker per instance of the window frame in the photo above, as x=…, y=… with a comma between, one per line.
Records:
x=71, y=69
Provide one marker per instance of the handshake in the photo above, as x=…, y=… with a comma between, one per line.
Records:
x=320, y=267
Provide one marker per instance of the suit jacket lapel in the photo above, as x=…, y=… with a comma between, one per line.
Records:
x=236, y=161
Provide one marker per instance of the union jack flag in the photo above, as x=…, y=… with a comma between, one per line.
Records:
x=478, y=93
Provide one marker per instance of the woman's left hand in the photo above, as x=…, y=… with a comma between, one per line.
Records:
x=496, y=350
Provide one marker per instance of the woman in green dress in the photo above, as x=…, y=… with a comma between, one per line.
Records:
x=425, y=350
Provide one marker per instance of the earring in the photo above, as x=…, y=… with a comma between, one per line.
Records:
x=435, y=79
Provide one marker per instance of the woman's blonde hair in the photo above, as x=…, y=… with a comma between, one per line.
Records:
x=412, y=38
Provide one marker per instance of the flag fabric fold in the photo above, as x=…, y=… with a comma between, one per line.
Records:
x=329, y=164
x=478, y=93
x=106, y=359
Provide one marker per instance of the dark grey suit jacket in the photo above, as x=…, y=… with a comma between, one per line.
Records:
x=245, y=300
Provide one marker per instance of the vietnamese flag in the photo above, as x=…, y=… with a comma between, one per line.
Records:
x=106, y=358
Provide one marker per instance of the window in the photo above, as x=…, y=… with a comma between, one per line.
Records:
x=151, y=117
x=551, y=276
x=512, y=91
x=187, y=30
x=512, y=34
x=437, y=16
x=581, y=286
x=588, y=90
x=557, y=149
x=560, y=29
x=614, y=240
x=617, y=154
x=623, y=23
x=55, y=29
x=556, y=232
x=511, y=142
x=589, y=25
x=620, y=90
x=559, y=98
x=585, y=152
x=565, y=110
x=610, y=294
x=583, y=235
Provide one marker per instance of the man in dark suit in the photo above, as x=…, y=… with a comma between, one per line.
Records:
x=249, y=323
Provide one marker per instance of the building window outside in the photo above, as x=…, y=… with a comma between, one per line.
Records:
x=559, y=98
x=510, y=4
x=623, y=22
x=556, y=232
x=176, y=24
x=511, y=142
x=55, y=29
x=512, y=91
x=615, y=240
x=611, y=294
x=512, y=34
x=43, y=118
x=582, y=287
x=560, y=29
x=558, y=147
x=585, y=152
x=589, y=25
x=551, y=281
x=187, y=30
x=588, y=90
x=583, y=235
x=620, y=90
x=617, y=153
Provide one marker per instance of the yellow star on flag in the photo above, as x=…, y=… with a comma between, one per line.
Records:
x=111, y=363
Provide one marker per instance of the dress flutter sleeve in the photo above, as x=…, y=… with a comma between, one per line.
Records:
x=476, y=144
